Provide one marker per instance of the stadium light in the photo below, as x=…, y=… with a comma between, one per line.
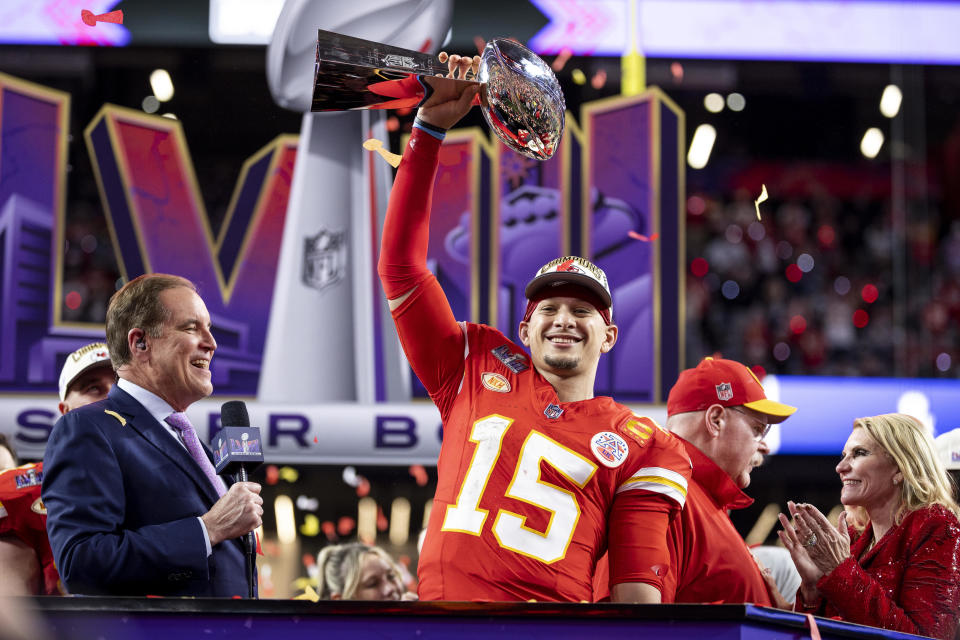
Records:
x=890, y=100
x=701, y=146
x=871, y=142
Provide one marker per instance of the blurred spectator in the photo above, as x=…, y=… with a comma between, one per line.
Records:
x=813, y=287
x=356, y=571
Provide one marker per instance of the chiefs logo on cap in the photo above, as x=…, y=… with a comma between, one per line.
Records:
x=569, y=266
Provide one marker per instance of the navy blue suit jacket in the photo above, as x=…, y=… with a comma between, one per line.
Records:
x=122, y=498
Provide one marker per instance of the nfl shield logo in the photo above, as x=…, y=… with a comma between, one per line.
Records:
x=724, y=391
x=324, y=259
x=552, y=411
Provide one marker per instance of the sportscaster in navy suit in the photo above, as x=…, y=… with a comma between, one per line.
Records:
x=134, y=504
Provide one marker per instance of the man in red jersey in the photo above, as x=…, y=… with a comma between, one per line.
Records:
x=534, y=472
x=25, y=550
x=722, y=415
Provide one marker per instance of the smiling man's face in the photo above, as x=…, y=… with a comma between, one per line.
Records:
x=179, y=360
x=566, y=335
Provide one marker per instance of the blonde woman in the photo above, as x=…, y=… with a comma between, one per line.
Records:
x=893, y=560
x=356, y=571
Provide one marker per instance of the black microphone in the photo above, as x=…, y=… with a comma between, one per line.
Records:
x=237, y=451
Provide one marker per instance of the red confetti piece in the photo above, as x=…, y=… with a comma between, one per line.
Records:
x=561, y=60
x=794, y=273
x=860, y=318
x=345, y=525
x=639, y=236
x=699, y=267
x=404, y=560
x=759, y=371
x=91, y=20
x=382, y=523
x=315, y=439
x=869, y=294
x=273, y=474
x=363, y=488
x=419, y=474
x=329, y=529
x=308, y=560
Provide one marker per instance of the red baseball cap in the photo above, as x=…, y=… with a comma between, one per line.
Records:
x=724, y=382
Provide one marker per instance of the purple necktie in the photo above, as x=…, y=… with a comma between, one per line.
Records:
x=181, y=423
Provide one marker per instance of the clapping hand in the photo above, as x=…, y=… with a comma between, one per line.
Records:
x=816, y=546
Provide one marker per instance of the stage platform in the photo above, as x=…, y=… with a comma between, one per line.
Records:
x=181, y=619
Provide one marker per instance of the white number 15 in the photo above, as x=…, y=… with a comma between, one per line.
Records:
x=509, y=528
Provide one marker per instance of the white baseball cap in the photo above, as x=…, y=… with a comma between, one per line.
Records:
x=948, y=448
x=571, y=270
x=84, y=358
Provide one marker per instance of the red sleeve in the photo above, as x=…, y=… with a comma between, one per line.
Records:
x=638, y=538
x=929, y=594
x=647, y=500
x=406, y=228
x=432, y=340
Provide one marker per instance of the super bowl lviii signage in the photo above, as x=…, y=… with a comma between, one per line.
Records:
x=612, y=192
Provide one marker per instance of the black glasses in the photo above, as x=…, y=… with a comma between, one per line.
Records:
x=760, y=428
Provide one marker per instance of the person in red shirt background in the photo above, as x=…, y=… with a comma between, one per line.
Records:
x=720, y=413
x=897, y=564
x=25, y=553
x=534, y=470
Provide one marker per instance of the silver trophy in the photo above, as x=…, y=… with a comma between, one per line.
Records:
x=520, y=98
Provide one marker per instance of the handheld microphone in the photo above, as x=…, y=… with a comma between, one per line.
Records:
x=237, y=446
x=237, y=450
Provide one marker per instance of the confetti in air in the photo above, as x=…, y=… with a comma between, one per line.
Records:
x=91, y=20
x=375, y=145
x=762, y=198
x=642, y=238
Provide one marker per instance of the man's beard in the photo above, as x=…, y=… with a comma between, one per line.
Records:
x=561, y=363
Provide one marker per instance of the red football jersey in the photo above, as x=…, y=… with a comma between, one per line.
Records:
x=23, y=515
x=527, y=484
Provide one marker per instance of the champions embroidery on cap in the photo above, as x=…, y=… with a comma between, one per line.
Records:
x=32, y=478
x=495, y=382
x=516, y=362
x=724, y=391
x=553, y=411
x=609, y=448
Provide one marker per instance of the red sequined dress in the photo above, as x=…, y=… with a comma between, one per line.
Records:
x=909, y=581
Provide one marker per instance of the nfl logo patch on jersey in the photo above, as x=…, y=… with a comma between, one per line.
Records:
x=495, y=382
x=553, y=411
x=724, y=391
x=609, y=448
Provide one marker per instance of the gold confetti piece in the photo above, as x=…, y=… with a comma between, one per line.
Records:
x=289, y=474
x=762, y=198
x=308, y=594
x=375, y=145
x=310, y=526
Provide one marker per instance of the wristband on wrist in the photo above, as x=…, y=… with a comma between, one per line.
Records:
x=437, y=132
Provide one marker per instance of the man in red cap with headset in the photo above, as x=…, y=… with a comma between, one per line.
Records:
x=535, y=473
x=721, y=413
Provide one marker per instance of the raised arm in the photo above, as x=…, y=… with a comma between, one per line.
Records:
x=430, y=335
